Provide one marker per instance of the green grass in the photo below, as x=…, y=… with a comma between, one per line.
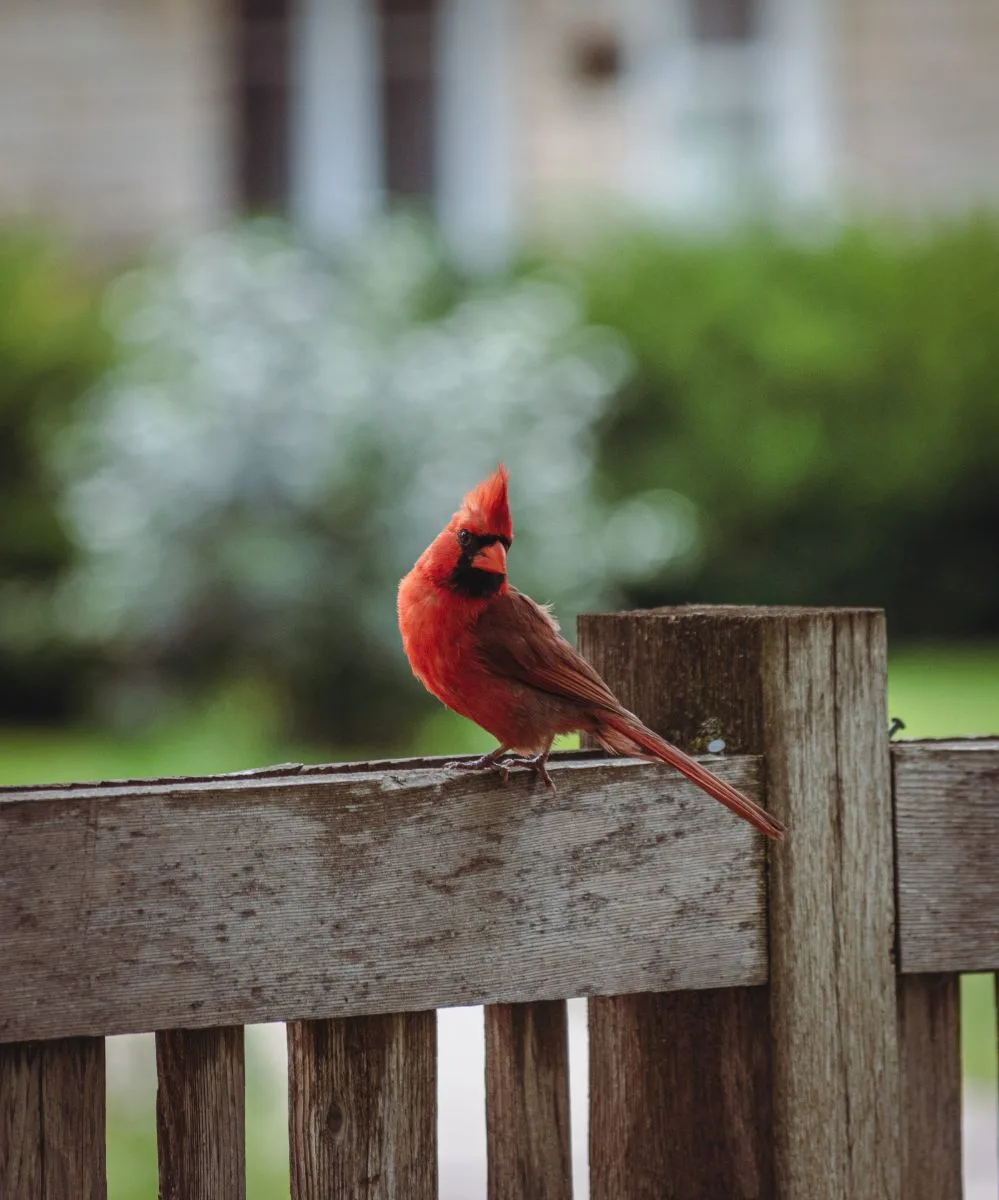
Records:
x=939, y=691
x=945, y=691
x=231, y=733
x=978, y=1026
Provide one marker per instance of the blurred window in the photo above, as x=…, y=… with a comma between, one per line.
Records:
x=408, y=42
x=263, y=69
x=721, y=126
x=723, y=20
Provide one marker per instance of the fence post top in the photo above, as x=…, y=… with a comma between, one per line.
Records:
x=738, y=612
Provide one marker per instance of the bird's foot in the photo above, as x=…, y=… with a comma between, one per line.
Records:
x=496, y=762
x=488, y=762
x=538, y=764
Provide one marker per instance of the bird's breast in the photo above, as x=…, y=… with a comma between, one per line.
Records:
x=436, y=635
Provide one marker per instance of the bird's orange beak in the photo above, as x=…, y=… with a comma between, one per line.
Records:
x=491, y=558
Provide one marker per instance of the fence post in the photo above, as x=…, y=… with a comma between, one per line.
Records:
x=790, y=1090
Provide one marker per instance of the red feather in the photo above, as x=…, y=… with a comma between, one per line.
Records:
x=486, y=508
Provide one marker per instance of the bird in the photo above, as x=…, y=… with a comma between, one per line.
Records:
x=492, y=654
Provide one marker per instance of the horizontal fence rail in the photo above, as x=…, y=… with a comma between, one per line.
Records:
x=239, y=900
x=316, y=893
x=947, y=847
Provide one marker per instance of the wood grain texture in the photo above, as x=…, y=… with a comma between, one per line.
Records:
x=679, y=1102
x=680, y=1083
x=362, y=1108
x=52, y=1112
x=929, y=1013
x=527, y=1101
x=947, y=837
x=200, y=1123
x=807, y=688
x=832, y=909
x=239, y=901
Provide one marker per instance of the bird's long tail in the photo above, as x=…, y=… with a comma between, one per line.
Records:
x=623, y=733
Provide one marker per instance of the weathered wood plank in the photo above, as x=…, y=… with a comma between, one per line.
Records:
x=680, y=1083
x=362, y=1108
x=679, y=1102
x=807, y=688
x=527, y=1101
x=947, y=838
x=52, y=1112
x=929, y=1008
x=832, y=910
x=200, y=1124
x=228, y=903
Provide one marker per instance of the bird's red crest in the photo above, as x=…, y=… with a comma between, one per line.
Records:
x=486, y=506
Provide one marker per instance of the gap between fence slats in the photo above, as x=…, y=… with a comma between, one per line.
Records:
x=52, y=1120
x=362, y=1108
x=527, y=1101
x=200, y=1122
x=929, y=1008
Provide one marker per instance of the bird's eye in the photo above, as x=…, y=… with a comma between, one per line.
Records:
x=464, y=537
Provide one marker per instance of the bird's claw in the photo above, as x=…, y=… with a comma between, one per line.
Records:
x=502, y=767
x=539, y=765
x=488, y=762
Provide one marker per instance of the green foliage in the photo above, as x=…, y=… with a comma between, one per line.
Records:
x=831, y=408
x=284, y=433
x=978, y=1026
x=52, y=349
x=283, y=430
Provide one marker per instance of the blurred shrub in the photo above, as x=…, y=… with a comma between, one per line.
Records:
x=831, y=410
x=52, y=348
x=286, y=432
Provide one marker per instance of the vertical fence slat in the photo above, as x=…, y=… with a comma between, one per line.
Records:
x=52, y=1120
x=832, y=908
x=200, y=1114
x=929, y=1015
x=21, y=1120
x=527, y=1101
x=806, y=688
x=362, y=1107
x=679, y=1095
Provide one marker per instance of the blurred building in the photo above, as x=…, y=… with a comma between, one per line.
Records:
x=125, y=119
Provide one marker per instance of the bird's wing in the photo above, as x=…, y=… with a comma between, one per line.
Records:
x=517, y=639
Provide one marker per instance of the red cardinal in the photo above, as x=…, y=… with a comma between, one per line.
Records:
x=493, y=655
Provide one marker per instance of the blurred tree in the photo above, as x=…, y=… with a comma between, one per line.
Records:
x=52, y=348
x=284, y=434
x=830, y=408
x=752, y=420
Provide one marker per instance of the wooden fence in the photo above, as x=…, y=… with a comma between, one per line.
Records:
x=782, y=1026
